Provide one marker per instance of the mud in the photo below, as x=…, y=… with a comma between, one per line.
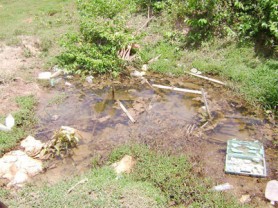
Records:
x=165, y=120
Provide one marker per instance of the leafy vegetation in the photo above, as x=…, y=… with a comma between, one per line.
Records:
x=103, y=33
x=24, y=121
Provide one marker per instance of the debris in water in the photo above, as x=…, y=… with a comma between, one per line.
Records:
x=31, y=146
x=125, y=165
x=89, y=79
x=223, y=187
x=177, y=89
x=126, y=111
x=271, y=191
x=245, y=158
x=9, y=123
x=61, y=143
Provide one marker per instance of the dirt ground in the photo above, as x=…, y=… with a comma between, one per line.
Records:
x=166, y=121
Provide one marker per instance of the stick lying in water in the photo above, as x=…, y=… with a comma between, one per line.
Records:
x=178, y=89
x=126, y=111
x=207, y=78
x=206, y=103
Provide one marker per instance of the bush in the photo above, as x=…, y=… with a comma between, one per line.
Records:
x=102, y=35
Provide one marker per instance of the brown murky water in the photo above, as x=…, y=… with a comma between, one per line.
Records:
x=165, y=120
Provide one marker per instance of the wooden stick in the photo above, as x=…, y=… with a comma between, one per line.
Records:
x=206, y=102
x=144, y=25
x=206, y=78
x=154, y=59
x=80, y=182
x=126, y=111
x=178, y=89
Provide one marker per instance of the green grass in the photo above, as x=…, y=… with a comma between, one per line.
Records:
x=24, y=122
x=254, y=77
x=46, y=19
x=157, y=180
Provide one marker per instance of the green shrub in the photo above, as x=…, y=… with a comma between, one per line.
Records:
x=102, y=34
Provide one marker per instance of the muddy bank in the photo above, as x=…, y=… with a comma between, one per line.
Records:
x=165, y=120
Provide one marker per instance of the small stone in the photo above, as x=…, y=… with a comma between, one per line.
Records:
x=145, y=67
x=245, y=199
x=271, y=191
x=31, y=145
x=89, y=79
x=55, y=117
x=44, y=75
x=125, y=165
x=68, y=84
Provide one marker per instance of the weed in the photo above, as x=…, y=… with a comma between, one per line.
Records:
x=24, y=119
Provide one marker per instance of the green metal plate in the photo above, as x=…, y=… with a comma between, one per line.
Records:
x=245, y=158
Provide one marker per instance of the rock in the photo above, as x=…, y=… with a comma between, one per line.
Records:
x=125, y=165
x=245, y=199
x=271, y=191
x=145, y=67
x=10, y=121
x=68, y=84
x=17, y=167
x=89, y=79
x=31, y=145
x=55, y=117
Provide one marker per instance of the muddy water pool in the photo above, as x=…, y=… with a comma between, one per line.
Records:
x=164, y=120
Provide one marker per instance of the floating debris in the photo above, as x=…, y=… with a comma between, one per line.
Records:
x=245, y=158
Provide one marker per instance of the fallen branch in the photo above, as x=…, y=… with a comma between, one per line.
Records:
x=80, y=182
x=154, y=59
x=206, y=78
x=126, y=111
x=178, y=89
x=206, y=103
x=144, y=25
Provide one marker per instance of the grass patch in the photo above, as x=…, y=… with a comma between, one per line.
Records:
x=174, y=177
x=252, y=76
x=103, y=189
x=158, y=180
x=24, y=121
x=46, y=19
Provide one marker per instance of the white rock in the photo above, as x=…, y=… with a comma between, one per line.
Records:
x=125, y=165
x=10, y=121
x=145, y=67
x=89, y=79
x=68, y=84
x=271, y=191
x=17, y=166
x=31, y=145
x=245, y=199
x=45, y=75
